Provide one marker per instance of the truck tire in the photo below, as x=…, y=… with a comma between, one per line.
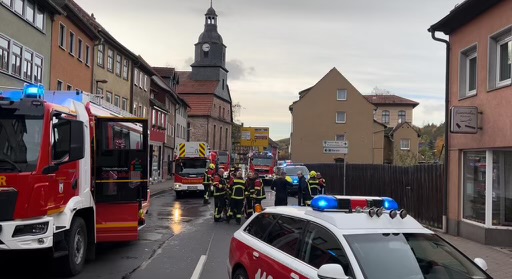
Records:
x=76, y=241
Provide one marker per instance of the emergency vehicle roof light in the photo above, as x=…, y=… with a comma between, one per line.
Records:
x=354, y=204
x=323, y=203
x=389, y=204
x=33, y=91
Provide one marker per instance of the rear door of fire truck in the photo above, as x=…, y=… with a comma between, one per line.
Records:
x=121, y=177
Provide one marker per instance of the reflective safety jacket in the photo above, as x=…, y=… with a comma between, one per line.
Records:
x=314, y=187
x=238, y=189
x=208, y=177
x=259, y=190
x=219, y=185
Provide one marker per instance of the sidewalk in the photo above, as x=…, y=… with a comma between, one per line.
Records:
x=499, y=260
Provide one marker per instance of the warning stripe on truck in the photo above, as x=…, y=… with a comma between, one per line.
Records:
x=182, y=150
x=202, y=149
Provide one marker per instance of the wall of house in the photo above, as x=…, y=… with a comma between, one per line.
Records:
x=67, y=67
x=495, y=118
x=140, y=98
x=405, y=156
x=378, y=143
x=15, y=28
x=181, y=125
x=393, y=114
x=321, y=102
x=220, y=121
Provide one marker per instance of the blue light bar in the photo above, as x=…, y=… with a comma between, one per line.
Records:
x=33, y=91
x=322, y=203
x=13, y=96
x=389, y=204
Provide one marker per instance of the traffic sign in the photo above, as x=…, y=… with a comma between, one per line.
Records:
x=335, y=143
x=336, y=150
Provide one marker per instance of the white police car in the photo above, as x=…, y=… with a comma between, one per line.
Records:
x=344, y=237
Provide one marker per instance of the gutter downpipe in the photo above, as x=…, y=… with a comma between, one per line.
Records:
x=446, y=129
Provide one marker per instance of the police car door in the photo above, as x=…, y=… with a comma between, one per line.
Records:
x=279, y=257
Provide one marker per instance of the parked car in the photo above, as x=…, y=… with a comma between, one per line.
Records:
x=341, y=237
x=291, y=171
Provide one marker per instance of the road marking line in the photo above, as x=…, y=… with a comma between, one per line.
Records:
x=199, y=267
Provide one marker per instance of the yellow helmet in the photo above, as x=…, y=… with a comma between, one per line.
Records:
x=289, y=179
x=312, y=174
x=211, y=166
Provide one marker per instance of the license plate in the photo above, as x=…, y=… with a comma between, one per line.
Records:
x=192, y=187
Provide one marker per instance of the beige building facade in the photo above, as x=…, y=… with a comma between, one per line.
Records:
x=479, y=193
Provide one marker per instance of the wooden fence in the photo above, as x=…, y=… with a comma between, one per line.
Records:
x=418, y=189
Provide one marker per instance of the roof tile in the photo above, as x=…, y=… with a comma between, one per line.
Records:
x=201, y=105
x=390, y=100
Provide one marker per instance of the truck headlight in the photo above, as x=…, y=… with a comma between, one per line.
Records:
x=177, y=185
x=31, y=229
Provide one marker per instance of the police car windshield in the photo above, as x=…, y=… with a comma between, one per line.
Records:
x=411, y=256
x=291, y=171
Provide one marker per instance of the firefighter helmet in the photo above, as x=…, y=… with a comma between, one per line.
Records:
x=289, y=179
x=211, y=166
x=312, y=174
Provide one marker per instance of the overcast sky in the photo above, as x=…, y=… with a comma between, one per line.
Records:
x=276, y=48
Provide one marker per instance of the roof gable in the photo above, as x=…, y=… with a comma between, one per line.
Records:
x=200, y=105
x=393, y=100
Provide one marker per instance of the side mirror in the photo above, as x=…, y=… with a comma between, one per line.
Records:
x=76, y=147
x=331, y=271
x=481, y=263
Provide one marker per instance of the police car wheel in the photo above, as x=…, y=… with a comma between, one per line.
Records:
x=240, y=273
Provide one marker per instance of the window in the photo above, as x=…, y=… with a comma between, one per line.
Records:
x=109, y=97
x=341, y=95
x=214, y=136
x=405, y=144
x=118, y=64
x=141, y=77
x=341, y=117
x=125, y=69
x=116, y=101
x=153, y=117
x=39, y=18
x=101, y=59
x=134, y=111
x=19, y=6
x=136, y=79
x=223, y=84
x=38, y=69
x=16, y=60
x=28, y=61
x=124, y=104
x=62, y=35
x=385, y=117
x=474, y=186
x=87, y=55
x=60, y=139
x=503, y=60
x=285, y=234
x=500, y=54
x=139, y=111
x=220, y=137
x=7, y=2
x=219, y=111
x=99, y=91
x=144, y=112
x=322, y=247
x=260, y=224
x=71, y=43
x=401, y=116
x=340, y=137
x=4, y=54
x=226, y=142
x=468, y=72
x=146, y=83
x=69, y=87
x=110, y=60
x=60, y=85
x=80, y=50
x=502, y=188
x=30, y=12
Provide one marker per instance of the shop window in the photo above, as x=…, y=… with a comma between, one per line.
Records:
x=474, y=168
x=502, y=188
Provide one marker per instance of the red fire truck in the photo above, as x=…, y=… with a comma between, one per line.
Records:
x=263, y=163
x=223, y=160
x=191, y=162
x=72, y=173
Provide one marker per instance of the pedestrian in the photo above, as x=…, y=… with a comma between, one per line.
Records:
x=207, y=183
x=249, y=194
x=321, y=182
x=280, y=185
x=303, y=190
x=259, y=191
x=237, y=198
x=219, y=194
x=314, y=184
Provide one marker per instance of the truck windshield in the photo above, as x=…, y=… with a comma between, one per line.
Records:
x=191, y=166
x=262, y=161
x=223, y=159
x=418, y=255
x=20, y=142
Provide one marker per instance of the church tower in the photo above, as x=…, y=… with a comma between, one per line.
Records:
x=210, y=52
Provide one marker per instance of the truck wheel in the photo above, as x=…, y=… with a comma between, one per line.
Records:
x=76, y=241
x=240, y=273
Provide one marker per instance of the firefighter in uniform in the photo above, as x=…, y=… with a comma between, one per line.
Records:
x=208, y=175
x=321, y=182
x=249, y=194
x=314, y=185
x=236, y=201
x=259, y=191
x=219, y=194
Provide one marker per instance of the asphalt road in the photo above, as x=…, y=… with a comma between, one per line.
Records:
x=180, y=240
